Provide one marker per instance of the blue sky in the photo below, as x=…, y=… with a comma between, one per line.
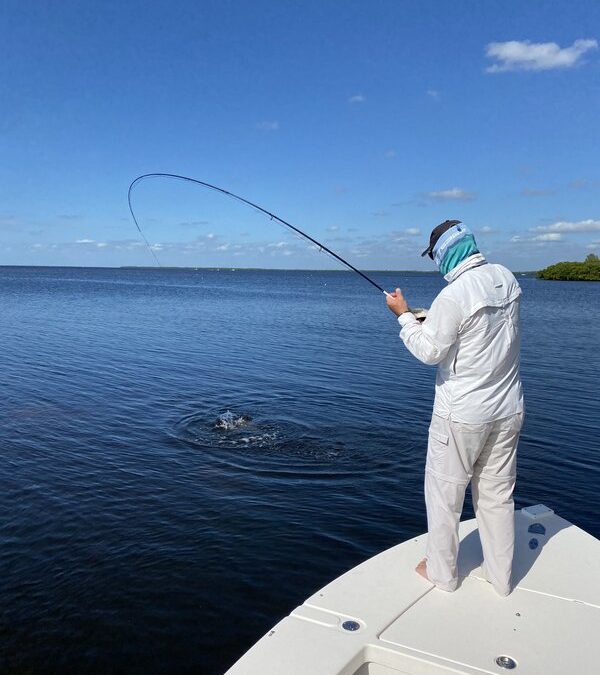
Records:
x=364, y=123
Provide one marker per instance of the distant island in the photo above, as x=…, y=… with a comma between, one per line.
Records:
x=588, y=270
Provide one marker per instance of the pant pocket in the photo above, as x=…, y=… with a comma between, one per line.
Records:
x=439, y=437
x=437, y=450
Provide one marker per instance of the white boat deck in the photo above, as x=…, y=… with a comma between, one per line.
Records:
x=550, y=623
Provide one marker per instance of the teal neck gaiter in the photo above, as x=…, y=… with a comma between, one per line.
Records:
x=456, y=254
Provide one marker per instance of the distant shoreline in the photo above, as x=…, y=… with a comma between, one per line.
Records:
x=166, y=268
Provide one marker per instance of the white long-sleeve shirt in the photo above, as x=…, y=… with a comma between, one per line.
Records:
x=472, y=333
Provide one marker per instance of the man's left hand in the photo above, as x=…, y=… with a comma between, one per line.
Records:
x=396, y=302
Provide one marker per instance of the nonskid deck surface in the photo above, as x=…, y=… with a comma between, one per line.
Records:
x=403, y=625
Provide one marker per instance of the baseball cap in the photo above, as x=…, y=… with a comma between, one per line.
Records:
x=436, y=233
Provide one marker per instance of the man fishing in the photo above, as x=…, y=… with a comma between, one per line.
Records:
x=472, y=333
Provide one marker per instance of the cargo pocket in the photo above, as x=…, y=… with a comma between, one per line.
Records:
x=441, y=438
x=437, y=451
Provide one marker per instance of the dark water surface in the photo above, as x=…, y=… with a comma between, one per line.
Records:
x=135, y=537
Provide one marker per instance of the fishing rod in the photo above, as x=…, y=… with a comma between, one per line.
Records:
x=272, y=216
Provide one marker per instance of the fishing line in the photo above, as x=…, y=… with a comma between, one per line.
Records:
x=272, y=216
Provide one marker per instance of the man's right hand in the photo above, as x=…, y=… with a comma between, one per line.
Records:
x=396, y=302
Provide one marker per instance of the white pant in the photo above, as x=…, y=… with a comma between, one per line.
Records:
x=486, y=456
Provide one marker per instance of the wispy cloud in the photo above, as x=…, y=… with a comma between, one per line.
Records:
x=556, y=232
x=434, y=94
x=268, y=125
x=566, y=226
x=340, y=239
x=531, y=192
x=10, y=222
x=526, y=55
x=486, y=229
x=406, y=236
x=385, y=250
x=390, y=154
x=89, y=244
x=548, y=236
x=193, y=223
x=583, y=184
x=200, y=246
x=357, y=98
x=454, y=194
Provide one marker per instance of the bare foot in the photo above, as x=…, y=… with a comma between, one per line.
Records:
x=421, y=569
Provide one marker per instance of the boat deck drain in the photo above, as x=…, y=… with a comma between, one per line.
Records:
x=506, y=662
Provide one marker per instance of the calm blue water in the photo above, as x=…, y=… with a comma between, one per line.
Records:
x=135, y=537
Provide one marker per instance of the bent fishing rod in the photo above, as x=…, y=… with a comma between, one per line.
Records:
x=272, y=216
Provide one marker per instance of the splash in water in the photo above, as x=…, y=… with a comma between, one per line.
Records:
x=261, y=439
x=228, y=421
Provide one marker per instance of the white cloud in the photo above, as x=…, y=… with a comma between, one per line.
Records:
x=434, y=94
x=333, y=228
x=486, y=229
x=565, y=226
x=84, y=241
x=525, y=55
x=412, y=231
x=548, y=236
x=390, y=154
x=454, y=194
x=268, y=125
x=357, y=98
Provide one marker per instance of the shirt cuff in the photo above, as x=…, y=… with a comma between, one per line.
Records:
x=406, y=318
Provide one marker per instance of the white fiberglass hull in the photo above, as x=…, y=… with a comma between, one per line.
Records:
x=402, y=624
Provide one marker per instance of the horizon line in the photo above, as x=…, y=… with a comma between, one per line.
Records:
x=227, y=268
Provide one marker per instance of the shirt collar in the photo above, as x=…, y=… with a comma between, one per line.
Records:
x=474, y=260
